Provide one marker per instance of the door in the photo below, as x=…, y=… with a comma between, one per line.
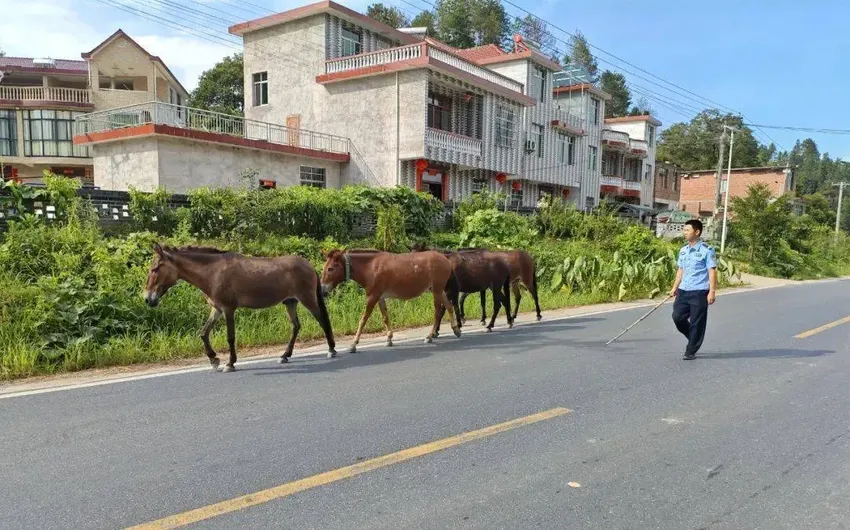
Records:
x=293, y=126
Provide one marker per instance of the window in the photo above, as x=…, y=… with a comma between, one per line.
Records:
x=261, y=89
x=571, y=150
x=562, y=148
x=313, y=176
x=537, y=90
x=439, y=112
x=478, y=186
x=352, y=41
x=504, y=125
x=723, y=186
x=8, y=133
x=537, y=136
x=591, y=159
x=648, y=175
x=651, y=136
x=50, y=133
x=516, y=198
x=594, y=110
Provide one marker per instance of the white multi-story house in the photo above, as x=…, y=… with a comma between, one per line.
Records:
x=628, y=159
x=421, y=113
x=41, y=98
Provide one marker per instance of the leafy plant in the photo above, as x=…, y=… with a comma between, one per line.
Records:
x=390, y=233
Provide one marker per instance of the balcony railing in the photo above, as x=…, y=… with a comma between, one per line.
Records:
x=42, y=93
x=417, y=51
x=451, y=141
x=631, y=185
x=615, y=136
x=612, y=180
x=638, y=145
x=206, y=121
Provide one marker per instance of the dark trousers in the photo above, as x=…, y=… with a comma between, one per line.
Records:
x=690, y=313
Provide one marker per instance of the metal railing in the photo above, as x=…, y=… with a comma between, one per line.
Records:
x=612, y=180
x=632, y=185
x=206, y=121
x=615, y=136
x=416, y=51
x=638, y=145
x=43, y=93
x=453, y=142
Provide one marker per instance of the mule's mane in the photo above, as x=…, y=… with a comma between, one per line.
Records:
x=190, y=249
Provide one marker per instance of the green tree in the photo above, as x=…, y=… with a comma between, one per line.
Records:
x=621, y=97
x=580, y=54
x=389, y=15
x=695, y=145
x=760, y=220
x=817, y=207
x=468, y=23
x=221, y=88
x=641, y=107
x=534, y=29
x=425, y=19
x=2, y=53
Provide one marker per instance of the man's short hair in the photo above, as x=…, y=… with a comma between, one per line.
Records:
x=696, y=224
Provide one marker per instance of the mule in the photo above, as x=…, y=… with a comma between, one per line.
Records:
x=387, y=275
x=477, y=271
x=229, y=281
x=523, y=270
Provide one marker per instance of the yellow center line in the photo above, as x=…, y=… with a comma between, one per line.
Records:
x=825, y=327
x=290, y=488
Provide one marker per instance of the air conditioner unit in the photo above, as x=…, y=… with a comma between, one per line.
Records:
x=530, y=146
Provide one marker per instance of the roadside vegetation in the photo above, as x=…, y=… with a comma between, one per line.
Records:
x=71, y=290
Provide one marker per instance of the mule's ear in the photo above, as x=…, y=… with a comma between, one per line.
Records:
x=157, y=248
x=324, y=254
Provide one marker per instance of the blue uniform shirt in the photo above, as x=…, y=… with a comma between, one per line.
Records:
x=696, y=261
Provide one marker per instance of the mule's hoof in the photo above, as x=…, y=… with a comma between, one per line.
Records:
x=352, y=349
x=428, y=340
x=214, y=363
x=483, y=322
x=510, y=325
x=489, y=329
x=331, y=354
x=389, y=344
x=457, y=332
x=283, y=360
x=227, y=368
x=539, y=318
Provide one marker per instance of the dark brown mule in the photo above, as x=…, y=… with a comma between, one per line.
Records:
x=522, y=270
x=229, y=281
x=477, y=271
x=386, y=275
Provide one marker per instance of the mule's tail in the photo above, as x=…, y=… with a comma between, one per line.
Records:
x=533, y=267
x=324, y=316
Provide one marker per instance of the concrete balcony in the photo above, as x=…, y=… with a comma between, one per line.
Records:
x=632, y=185
x=612, y=181
x=638, y=148
x=421, y=55
x=615, y=140
x=452, y=148
x=34, y=96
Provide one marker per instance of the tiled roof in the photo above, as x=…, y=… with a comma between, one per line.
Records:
x=28, y=63
x=481, y=52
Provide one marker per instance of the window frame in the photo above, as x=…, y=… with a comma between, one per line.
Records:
x=309, y=176
x=260, y=88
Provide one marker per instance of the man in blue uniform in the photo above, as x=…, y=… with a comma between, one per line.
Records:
x=694, y=288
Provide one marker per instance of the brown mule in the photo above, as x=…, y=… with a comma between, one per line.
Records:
x=386, y=275
x=522, y=270
x=229, y=281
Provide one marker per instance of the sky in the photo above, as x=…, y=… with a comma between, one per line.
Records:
x=782, y=65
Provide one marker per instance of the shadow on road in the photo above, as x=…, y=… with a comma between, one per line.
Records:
x=774, y=353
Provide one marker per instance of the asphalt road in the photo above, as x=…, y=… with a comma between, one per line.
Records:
x=755, y=433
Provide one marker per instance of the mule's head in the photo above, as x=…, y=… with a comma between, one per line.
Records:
x=334, y=271
x=161, y=276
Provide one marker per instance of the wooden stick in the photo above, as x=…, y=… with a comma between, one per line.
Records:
x=638, y=320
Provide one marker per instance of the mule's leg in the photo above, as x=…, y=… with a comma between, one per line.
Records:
x=320, y=312
x=506, y=301
x=382, y=305
x=533, y=290
x=515, y=288
x=448, y=305
x=230, y=320
x=292, y=309
x=497, y=304
x=483, y=307
x=462, y=307
x=371, y=301
x=215, y=315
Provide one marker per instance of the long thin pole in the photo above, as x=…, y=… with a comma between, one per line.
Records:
x=728, y=189
x=638, y=320
x=838, y=213
x=719, y=172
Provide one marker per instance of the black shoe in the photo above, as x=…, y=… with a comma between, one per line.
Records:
x=689, y=357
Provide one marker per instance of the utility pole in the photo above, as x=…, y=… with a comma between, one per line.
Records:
x=838, y=213
x=728, y=188
x=719, y=171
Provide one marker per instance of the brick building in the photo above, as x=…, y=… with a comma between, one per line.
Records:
x=696, y=193
x=665, y=194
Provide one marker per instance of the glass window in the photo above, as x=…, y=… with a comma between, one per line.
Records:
x=313, y=176
x=537, y=90
x=261, y=89
x=537, y=136
x=591, y=159
x=504, y=125
x=8, y=133
x=352, y=41
x=51, y=133
x=439, y=112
